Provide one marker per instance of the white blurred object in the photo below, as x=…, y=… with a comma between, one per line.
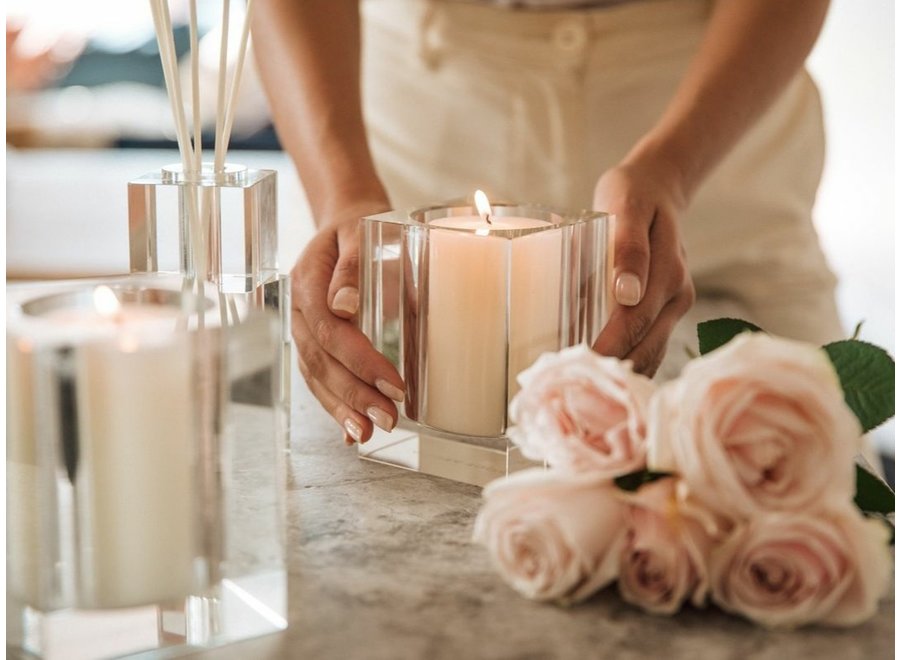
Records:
x=67, y=210
x=46, y=21
x=854, y=66
x=91, y=116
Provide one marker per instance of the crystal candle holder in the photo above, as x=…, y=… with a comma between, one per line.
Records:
x=238, y=238
x=461, y=307
x=145, y=474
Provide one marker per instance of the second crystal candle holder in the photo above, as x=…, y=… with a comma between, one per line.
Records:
x=462, y=302
x=145, y=500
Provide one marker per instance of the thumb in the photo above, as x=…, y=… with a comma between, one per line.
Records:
x=632, y=258
x=343, y=293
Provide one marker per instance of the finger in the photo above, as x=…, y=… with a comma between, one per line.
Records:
x=344, y=342
x=317, y=365
x=356, y=427
x=343, y=291
x=631, y=263
x=650, y=352
x=338, y=337
x=311, y=363
x=628, y=326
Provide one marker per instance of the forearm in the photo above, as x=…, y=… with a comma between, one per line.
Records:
x=309, y=59
x=751, y=51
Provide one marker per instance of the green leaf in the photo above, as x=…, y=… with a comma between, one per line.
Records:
x=873, y=496
x=634, y=480
x=867, y=378
x=718, y=332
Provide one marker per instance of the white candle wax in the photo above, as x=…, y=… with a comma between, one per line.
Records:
x=132, y=485
x=479, y=281
x=23, y=502
x=135, y=425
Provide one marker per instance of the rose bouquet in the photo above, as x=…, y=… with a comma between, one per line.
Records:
x=736, y=483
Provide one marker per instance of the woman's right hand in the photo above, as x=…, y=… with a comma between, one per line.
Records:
x=355, y=383
x=309, y=63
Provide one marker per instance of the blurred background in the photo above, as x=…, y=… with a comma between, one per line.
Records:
x=87, y=111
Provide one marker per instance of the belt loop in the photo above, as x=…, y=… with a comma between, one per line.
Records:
x=429, y=38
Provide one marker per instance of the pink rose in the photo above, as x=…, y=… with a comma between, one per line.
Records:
x=581, y=411
x=788, y=569
x=760, y=423
x=668, y=542
x=552, y=536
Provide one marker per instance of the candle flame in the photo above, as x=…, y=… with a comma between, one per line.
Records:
x=483, y=206
x=105, y=302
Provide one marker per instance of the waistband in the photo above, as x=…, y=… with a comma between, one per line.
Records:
x=543, y=23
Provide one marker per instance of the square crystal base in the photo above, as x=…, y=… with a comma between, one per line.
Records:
x=243, y=608
x=470, y=460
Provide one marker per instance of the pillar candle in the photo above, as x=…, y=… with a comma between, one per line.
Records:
x=493, y=308
x=131, y=391
x=135, y=425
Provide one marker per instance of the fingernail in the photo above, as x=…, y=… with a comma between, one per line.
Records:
x=628, y=289
x=380, y=418
x=346, y=300
x=353, y=429
x=390, y=391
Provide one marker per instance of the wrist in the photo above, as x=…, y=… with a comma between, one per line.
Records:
x=347, y=204
x=339, y=178
x=672, y=163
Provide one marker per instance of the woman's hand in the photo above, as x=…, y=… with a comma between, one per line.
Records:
x=353, y=382
x=653, y=289
x=749, y=53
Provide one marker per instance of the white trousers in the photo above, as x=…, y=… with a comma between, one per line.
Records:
x=534, y=106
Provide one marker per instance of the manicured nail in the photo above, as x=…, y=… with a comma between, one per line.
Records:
x=380, y=418
x=346, y=300
x=353, y=429
x=628, y=289
x=390, y=391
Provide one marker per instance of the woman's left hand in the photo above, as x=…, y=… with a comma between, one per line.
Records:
x=653, y=288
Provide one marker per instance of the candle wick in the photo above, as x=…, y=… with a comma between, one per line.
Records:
x=487, y=218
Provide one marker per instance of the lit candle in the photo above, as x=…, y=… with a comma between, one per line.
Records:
x=488, y=288
x=127, y=449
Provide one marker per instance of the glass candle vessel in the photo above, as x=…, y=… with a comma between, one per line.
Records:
x=146, y=479
x=219, y=225
x=461, y=306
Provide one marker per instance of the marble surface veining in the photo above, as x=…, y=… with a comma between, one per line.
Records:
x=381, y=567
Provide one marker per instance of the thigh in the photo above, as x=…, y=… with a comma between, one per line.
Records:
x=775, y=301
x=683, y=342
x=789, y=292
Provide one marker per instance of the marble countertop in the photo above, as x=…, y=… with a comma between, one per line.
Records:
x=380, y=566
